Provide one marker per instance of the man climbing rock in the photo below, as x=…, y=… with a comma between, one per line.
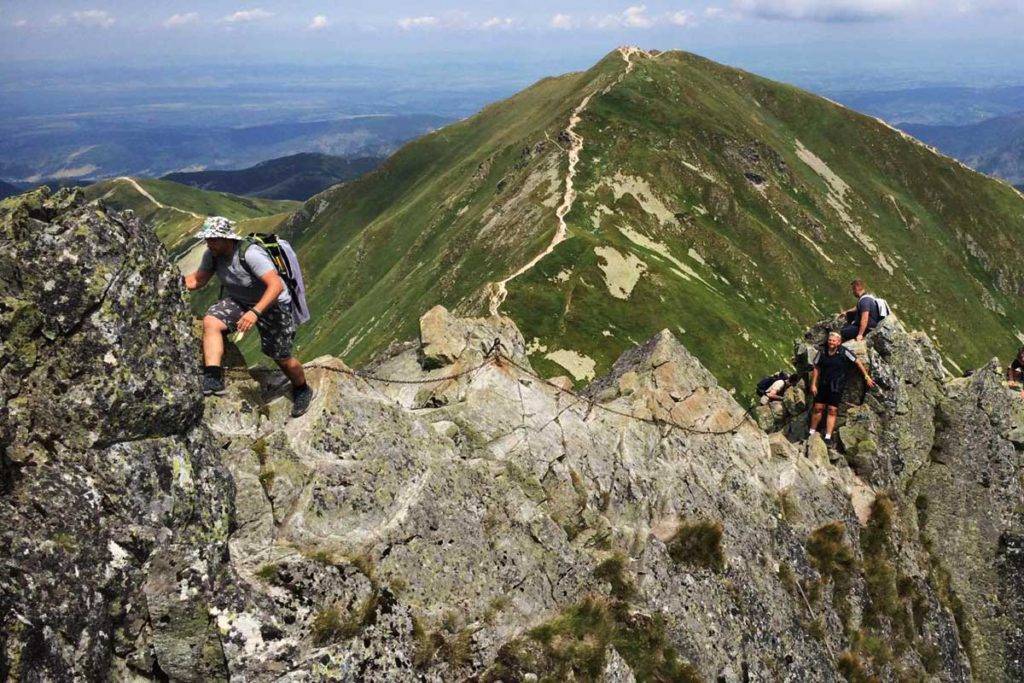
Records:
x=254, y=295
x=828, y=381
x=865, y=316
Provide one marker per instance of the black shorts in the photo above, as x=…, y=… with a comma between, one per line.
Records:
x=276, y=326
x=829, y=396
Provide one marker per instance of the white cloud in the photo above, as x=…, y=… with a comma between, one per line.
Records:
x=407, y=23
x=19, y=23
x=247, y=15
x=93, y=17
x=318, y=22
x=562, y=21
x=713, y=12
x=839, y=11
x=176, y=20
x=636, y=17
x=632, y=17
x=682, y=18
x=498, y=22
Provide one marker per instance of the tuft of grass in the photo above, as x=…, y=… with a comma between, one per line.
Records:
x=833, y=557
x=267, y=476
x=259, y=449
x=614, y=571
x=454, y=648
x=572, y=646
x=698, y=544
x=268, y=572
x=330, y=625
x=495, y=606
x=788, y=506
x=853, y=668
x=320, y=556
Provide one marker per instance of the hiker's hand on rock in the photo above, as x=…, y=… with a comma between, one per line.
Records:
x=860, y=337
x=870, y=382
x=814, y=390
x=246, y=322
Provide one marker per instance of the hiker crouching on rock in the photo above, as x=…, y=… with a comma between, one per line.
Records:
x=255, y=296
x=865, y=316
x=828, y=381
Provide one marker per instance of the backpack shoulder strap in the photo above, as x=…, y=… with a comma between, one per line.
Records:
x=243, y=247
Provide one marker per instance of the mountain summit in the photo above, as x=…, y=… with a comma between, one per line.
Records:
x=663, y=190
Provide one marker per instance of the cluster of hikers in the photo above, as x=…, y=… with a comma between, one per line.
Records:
x=261, y=287
x=835, y=360
x=833, y=363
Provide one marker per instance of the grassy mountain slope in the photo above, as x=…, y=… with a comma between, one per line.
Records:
x=299, y=176
x=176, y=211
x=994, y=146
x=730, y=209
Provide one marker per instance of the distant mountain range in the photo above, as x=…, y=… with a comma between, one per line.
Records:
x=299, y=176
x=96, y=150
x=994, y=146
x=7, y=189
x=936, y=105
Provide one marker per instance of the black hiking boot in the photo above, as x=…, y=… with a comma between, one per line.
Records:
x=301, y=398
x=213, y=381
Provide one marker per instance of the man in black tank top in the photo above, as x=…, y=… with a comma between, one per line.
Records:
x=832, y=366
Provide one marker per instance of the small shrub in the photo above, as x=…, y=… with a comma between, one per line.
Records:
x=698, y=544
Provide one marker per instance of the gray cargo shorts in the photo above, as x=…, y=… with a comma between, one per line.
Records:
x=276, y=326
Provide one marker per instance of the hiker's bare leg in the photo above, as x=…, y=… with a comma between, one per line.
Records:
x=213, y=340
x=817, y=412
x=830, y=425
x=293, y=369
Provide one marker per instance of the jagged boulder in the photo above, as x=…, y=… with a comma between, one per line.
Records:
x=947, y=453
x=116, y=509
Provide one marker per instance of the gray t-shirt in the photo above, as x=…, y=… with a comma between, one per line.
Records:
x=238, y=284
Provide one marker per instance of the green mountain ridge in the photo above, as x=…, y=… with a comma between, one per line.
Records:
x=177, y=211
x=295, y=177
x=728, y=208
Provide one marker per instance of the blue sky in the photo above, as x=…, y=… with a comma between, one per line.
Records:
x=812, y=33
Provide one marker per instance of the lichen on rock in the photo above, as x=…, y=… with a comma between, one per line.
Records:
x=116, y=507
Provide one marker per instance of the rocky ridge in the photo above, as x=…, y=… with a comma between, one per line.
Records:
x=490, y=527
